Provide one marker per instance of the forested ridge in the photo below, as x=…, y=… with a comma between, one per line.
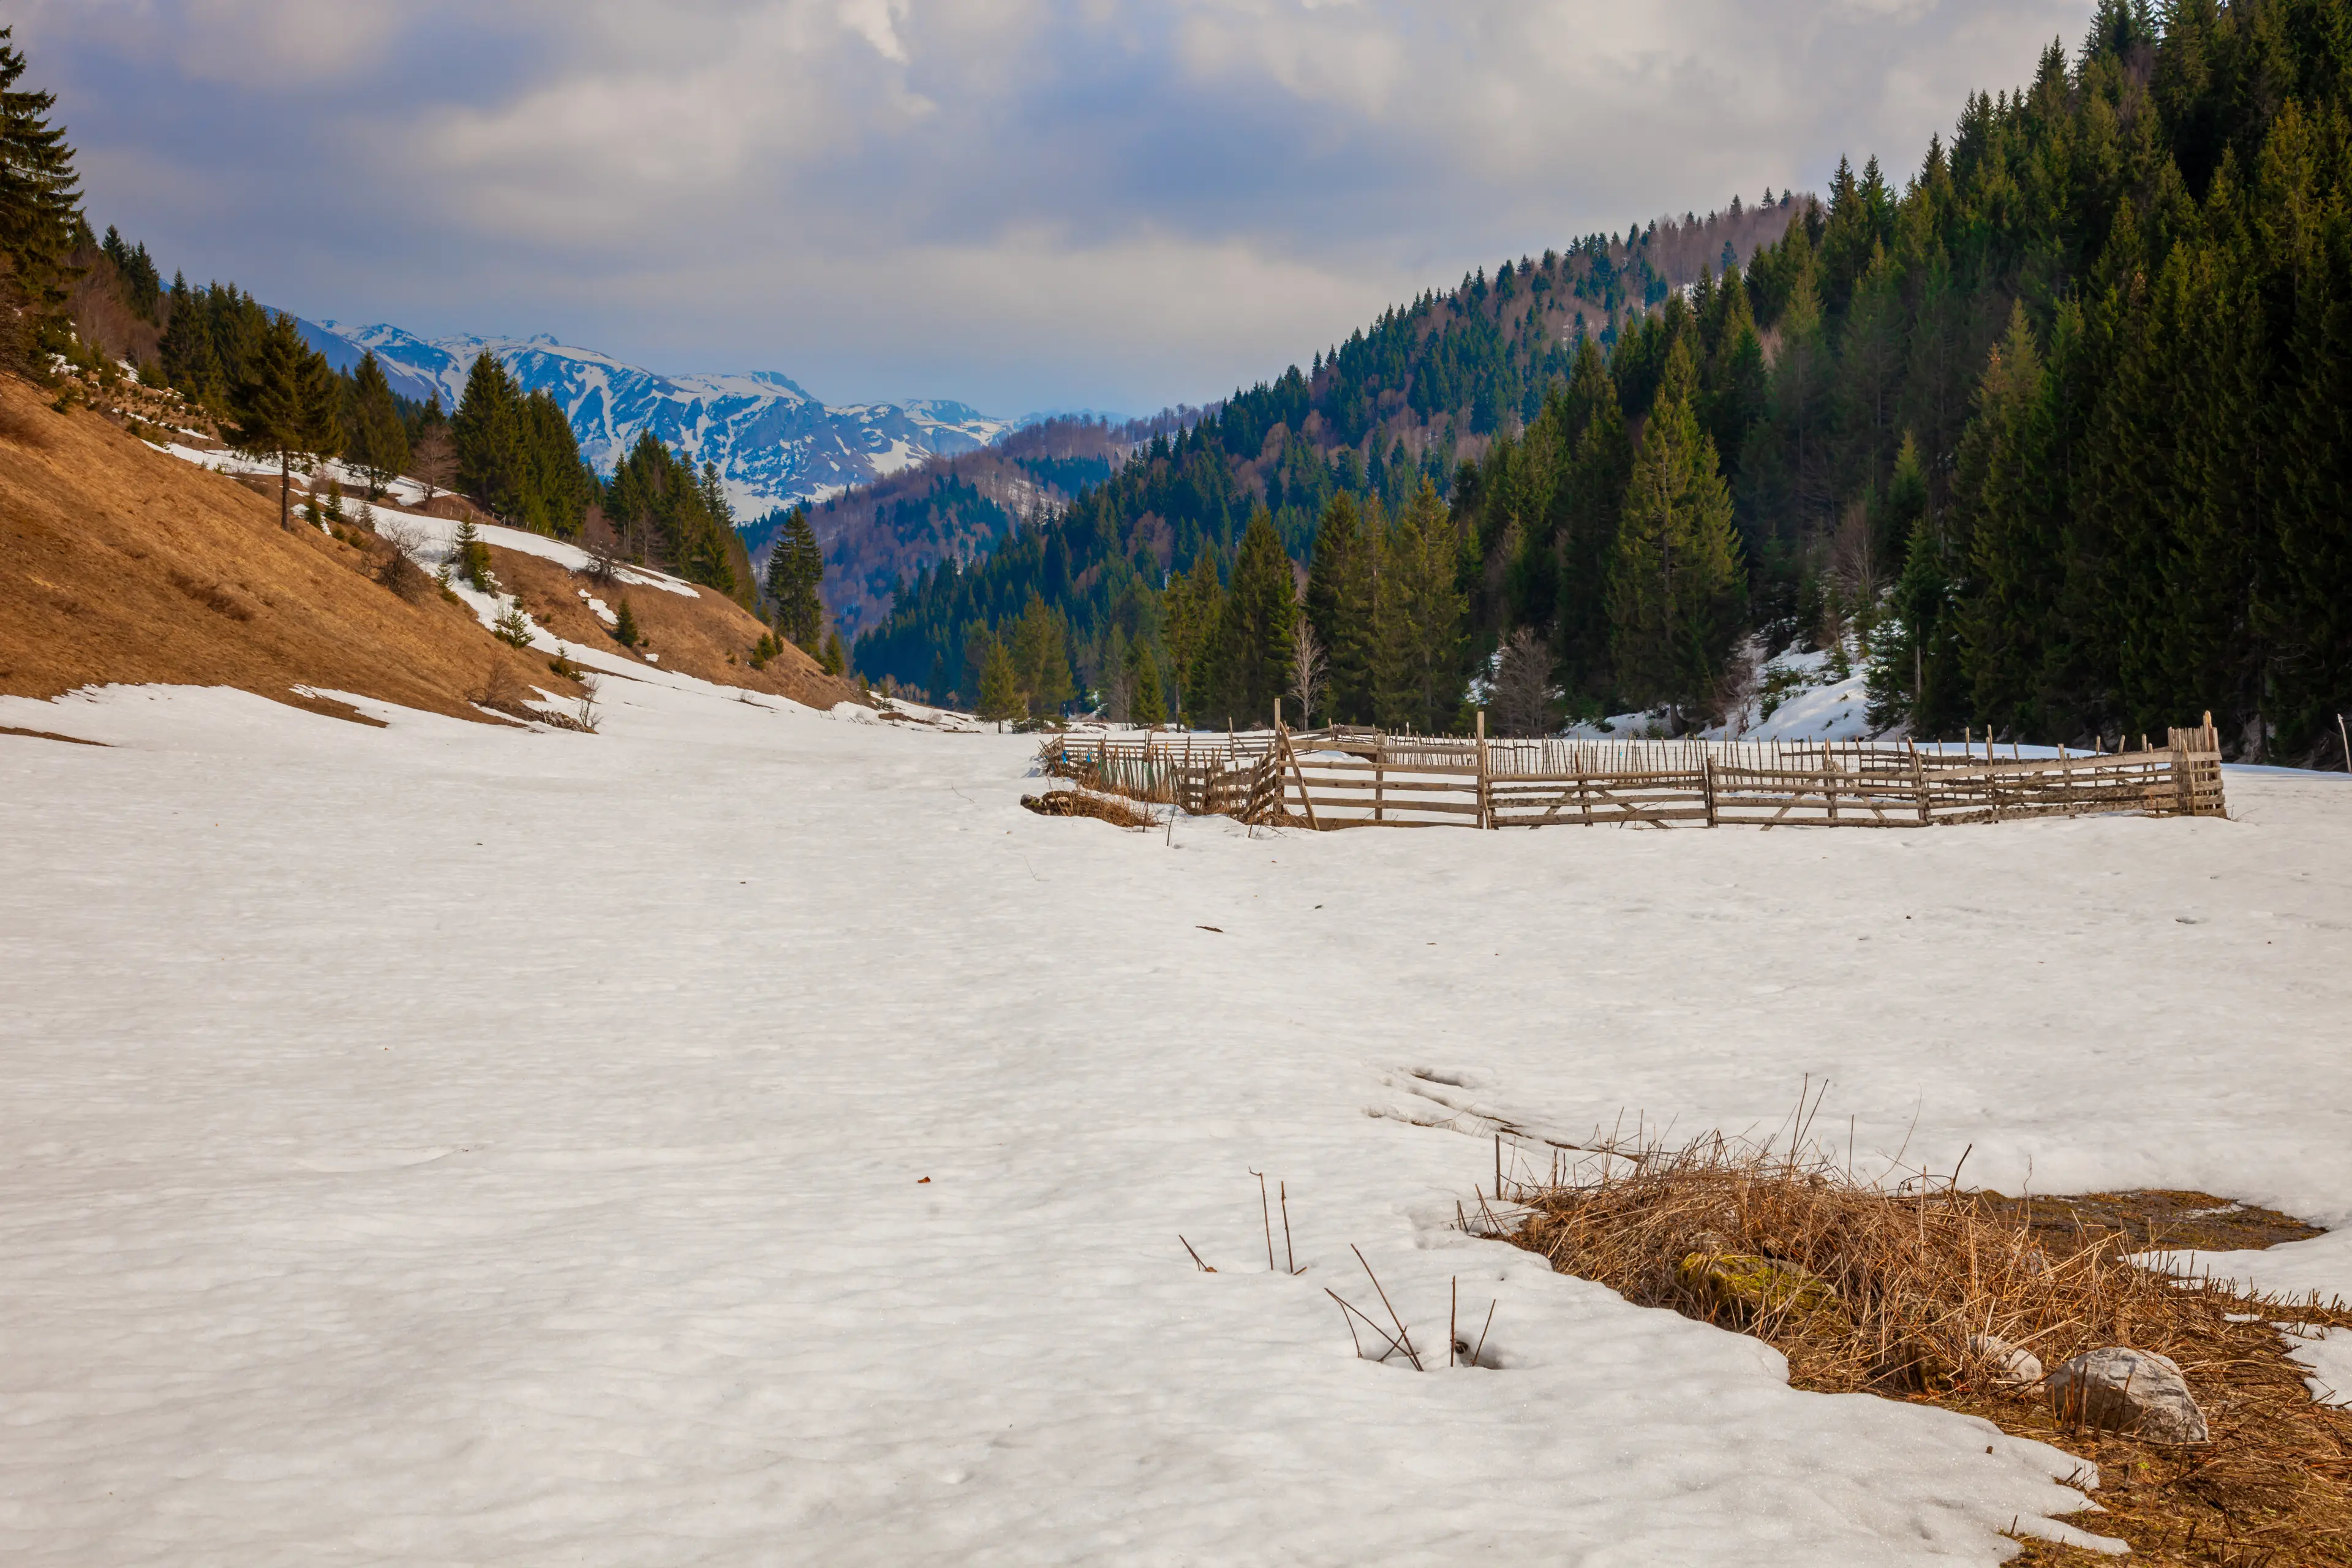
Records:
x=1427, y=386
x=2053, y=436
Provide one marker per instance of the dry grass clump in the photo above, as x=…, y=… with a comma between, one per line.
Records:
x=1880, y=1287
x=1084, y=803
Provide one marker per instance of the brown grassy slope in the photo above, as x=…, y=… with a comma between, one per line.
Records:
x=708, y=636
x=118, y=563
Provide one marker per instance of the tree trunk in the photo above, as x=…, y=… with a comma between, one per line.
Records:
x=284, y=493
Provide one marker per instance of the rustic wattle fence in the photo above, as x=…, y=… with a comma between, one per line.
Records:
x=1362, y=778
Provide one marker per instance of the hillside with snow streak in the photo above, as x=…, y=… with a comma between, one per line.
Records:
x=774, y=443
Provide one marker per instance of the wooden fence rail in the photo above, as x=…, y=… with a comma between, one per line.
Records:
x=1360, y=778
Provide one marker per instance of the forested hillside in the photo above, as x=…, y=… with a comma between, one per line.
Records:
x=1428, y=386
x=2054, y=437
x=957, y=505
x=247, y=377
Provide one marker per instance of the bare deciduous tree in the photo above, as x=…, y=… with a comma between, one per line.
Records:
x=1523, y=695
x=1307, y=667
x=435, y=460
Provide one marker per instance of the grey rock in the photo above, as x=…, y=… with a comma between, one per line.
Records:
x=2005, y=1365
x=2115, y=1389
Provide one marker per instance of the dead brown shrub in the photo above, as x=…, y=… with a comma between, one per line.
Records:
x=503, y=692
x=1914, y=1269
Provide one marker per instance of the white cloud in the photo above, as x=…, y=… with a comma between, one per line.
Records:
x=1043, y=200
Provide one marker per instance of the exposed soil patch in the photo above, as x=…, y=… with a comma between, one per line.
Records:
x=1870, y=1289
x=2155, y=1220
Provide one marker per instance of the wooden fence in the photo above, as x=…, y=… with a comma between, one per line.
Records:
x=1361, y=778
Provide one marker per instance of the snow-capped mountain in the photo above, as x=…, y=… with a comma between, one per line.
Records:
x=774, y=443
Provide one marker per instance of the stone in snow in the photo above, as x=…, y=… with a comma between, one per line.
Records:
x=2006, y=1365
x=2135, y=1392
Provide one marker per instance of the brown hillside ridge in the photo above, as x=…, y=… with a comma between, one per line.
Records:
x=710, y=635
x=119, y=564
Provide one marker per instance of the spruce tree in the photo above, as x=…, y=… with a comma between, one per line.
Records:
x=469, y=558
x=1041, y=657
x=625, y=626
x=1000, y=685
x=288, y=407
x=1422, y=611
x=796, y=570
x=1146, y=704
x=40, y=208
x=1260, y=610
x=2004, y=506
x=379, y=444
x=1590, y=497
x=836, y=658
x=1676, y=586
x=1340, y=588
x=487, y=430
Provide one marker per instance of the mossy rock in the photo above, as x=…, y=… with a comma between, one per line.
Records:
x=1758, y=1286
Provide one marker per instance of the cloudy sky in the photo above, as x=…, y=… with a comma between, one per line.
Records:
x=1023, y=203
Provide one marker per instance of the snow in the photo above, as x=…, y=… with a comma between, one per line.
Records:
x=438, y=533
x=1806, y=697
x=2328, y=1354
x=452, y=1142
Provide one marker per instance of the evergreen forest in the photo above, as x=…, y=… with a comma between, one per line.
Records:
x=2053, y=436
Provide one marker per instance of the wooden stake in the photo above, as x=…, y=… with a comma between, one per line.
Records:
x=1485, y=814
x=1267, y=1218
x=1288, y=1255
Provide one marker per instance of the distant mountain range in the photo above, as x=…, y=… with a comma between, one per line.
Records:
x=774, y=443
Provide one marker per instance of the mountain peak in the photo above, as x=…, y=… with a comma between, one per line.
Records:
x=774, y=442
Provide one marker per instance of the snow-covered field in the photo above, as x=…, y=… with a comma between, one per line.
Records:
x=744, y=1137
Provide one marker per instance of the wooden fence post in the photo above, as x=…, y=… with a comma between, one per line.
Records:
x=1290, y=753
x=1919, y=781
x=1486, y=817
x=1707, y=770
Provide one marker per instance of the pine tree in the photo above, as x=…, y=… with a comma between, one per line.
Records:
x=625, y=626
x=1000, y=685
x=795, y=569
x=1195, y=612
x=1041, y=657
x=379, y=444
x=190, y=361
x=1676, y=588
x=1253, y=638
x=1421, y=610
x=288, y=407
x=1146, y=704
x=488, y=433
x=469, y=558
x=2004, y=506
x=1339, y=594
x=39, y=209
x=513, y=627
x=836, y=658
x=1590, y=500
